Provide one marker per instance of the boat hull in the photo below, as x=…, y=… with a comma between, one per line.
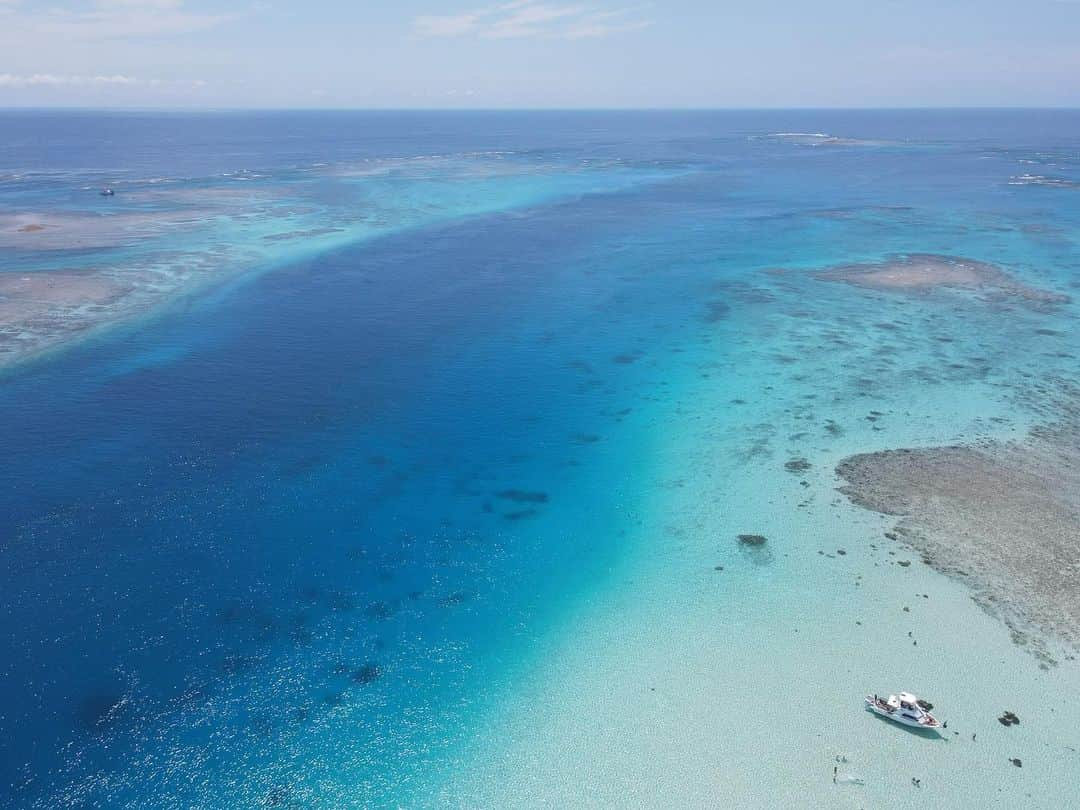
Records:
x=929, y=723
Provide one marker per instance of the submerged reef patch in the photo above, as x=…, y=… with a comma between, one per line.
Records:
x=797, y=465
x=1002, y=518
x=925, y=272
x=522, y=496
x=368, y=673
x=755, y=548
x=716, y=311
x=520, y=514
x=752, y=539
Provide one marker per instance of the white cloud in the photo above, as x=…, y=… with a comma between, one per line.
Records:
x=449, y=26
x=604, y=24
x=136, y=4
x=59, y=80
x=105, y=19
x=531, y=18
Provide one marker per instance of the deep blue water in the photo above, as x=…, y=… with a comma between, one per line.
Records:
x=285, y=532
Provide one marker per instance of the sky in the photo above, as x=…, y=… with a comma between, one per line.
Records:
x=539, y=53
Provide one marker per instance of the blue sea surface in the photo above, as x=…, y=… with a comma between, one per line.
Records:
x=286, y=537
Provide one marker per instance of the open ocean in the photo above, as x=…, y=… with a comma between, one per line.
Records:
x=409, y=485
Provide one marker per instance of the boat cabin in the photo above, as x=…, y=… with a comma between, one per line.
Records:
x=906, y=705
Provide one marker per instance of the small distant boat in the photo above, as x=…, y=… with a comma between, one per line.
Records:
x=107, y=192
x=905, y=709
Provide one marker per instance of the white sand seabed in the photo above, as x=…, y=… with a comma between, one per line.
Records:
x=682, y=686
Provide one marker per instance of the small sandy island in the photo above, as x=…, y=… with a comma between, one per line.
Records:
x=925, y=272
x=1003, y=518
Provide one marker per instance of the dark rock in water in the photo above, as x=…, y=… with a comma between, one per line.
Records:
x=1015, y=761
x=523, y=496
x=903, y=563
x=798, y=465
x=368, y=673
x=1009, y=719
x=752, y=539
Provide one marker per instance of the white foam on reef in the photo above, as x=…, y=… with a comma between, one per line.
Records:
x=818, y=139
x=1042, y=180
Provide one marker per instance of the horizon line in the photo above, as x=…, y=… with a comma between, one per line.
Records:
x=571, y=109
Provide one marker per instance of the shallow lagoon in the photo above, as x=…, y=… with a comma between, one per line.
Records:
x=433, y=513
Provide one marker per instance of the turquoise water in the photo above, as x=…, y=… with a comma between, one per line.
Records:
x=408, y=484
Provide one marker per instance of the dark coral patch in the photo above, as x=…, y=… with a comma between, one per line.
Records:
x=379, y=611
x=456, y=598
x=585, y=438
x=368, y=673
x=520, y=514
x=523, y=496
x=752, y=539
x=716, y=311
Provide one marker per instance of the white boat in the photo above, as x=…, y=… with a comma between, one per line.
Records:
x=905, y=709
